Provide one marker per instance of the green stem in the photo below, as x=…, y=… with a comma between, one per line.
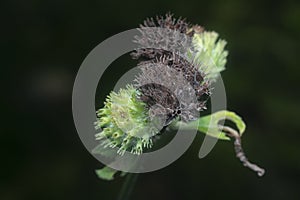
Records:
x=128, y=186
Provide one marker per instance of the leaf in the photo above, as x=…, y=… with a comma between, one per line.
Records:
x=210, y=124
x=106, y=173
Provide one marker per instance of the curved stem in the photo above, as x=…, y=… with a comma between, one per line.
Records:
x=240, y=152
x=222, y=132
x=128, y=186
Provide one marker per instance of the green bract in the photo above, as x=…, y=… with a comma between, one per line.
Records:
x=210, y=53
x=125, y=122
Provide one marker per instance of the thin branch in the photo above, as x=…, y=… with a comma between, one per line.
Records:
x=239, y=150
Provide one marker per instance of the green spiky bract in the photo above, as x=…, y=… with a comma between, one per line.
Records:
x=210, y=53
x=125, y=122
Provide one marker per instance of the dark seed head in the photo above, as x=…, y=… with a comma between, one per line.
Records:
x=168, y=78
x=164, y=33
x=174, y=84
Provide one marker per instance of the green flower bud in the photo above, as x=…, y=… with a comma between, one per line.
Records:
x=125, y=122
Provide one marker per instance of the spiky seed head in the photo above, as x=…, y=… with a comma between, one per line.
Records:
x=168, y=87
x=189, y=41
x=164, y=33
x=172, y=46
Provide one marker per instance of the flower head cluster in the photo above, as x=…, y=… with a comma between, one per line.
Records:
x=178, y=61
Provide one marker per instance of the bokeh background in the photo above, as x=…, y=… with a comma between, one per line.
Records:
x=43, y=44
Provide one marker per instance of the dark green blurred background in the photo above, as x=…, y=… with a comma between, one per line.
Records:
x=42, y=46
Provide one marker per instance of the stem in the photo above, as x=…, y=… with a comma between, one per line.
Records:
x=240, y=152
x=128, y=186
x=226, y=131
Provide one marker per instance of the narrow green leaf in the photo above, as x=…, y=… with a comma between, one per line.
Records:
x=210, y=124
x=106, y=173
